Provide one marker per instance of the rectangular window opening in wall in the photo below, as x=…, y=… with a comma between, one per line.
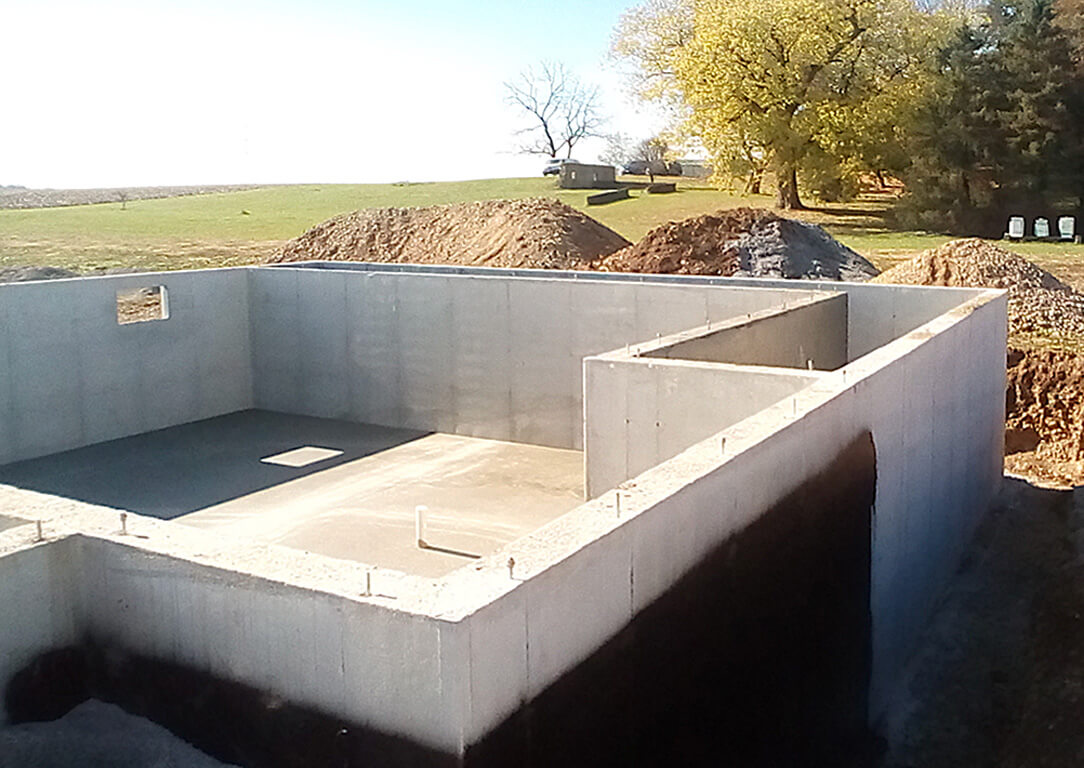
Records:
x=142, y=305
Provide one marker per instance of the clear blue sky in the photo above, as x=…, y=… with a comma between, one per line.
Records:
x=118, y=93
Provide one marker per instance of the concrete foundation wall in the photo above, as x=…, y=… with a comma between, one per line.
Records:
x=70, y=375
x=387, y=670
x=939, y=453
x=451, y=659
x=641, y=412
x=39, y=595
x=876, y=314
x=812, y=334
x=471, y=355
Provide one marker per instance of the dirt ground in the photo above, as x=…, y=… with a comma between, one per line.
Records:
x=999, y=680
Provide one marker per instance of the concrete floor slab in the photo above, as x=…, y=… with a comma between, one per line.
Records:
x=358, y=504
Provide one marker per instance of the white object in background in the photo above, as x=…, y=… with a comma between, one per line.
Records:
x=1067, y=227
x=1042, y=227
x=1016, y=227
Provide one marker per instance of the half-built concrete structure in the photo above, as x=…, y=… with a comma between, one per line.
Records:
x=395, y=515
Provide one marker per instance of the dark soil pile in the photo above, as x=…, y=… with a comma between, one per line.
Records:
x=533, y=233
x=1040, y=305
x=1044, y=425
x=744, y=242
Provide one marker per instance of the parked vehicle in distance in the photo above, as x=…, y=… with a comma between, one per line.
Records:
x=553, y=165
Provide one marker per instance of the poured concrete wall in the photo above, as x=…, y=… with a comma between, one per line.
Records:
x=933, y=402
x=39, y=601
x=811, y=334
x=642, y=411
x=444, y=664
x=70, y=375
x=472, y=355
x=377, y=667
x=877, y=314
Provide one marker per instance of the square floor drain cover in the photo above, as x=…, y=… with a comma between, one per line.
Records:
x=302, y=457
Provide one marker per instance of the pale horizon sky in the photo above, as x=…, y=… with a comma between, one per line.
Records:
x=123, y=93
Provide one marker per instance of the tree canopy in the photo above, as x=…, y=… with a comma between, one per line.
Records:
x=792, y=82
x=1003, y=131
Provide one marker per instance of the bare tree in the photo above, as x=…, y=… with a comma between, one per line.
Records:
x=562, y=110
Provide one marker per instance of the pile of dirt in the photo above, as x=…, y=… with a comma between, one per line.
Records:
x=1044, y=425
x=1044, y=407
x=1040, y=305
x=744, y=242
x=26, y=274
x=533, y=233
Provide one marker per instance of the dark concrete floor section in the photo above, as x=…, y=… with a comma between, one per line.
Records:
x=179, y=470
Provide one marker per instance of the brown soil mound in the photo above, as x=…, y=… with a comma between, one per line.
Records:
x=1044, y=426
x=1039, y=303
x=742, y=241
x=533, y=233
x=702, y=245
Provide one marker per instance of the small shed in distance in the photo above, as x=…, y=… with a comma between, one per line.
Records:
x=583, y=176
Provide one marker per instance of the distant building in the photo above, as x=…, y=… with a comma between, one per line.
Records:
x=584, y=176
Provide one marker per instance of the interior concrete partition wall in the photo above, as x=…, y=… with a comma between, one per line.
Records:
x=642, y=411
x=471, y=353
x=70, y=375
x=807, y=334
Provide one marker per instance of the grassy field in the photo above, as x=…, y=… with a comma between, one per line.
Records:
x=248, y=226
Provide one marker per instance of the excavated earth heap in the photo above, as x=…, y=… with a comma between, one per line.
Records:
x=1044, y=427
x=1039, y=303
x=744, y=242
x=533, y=233
x=1044, y=407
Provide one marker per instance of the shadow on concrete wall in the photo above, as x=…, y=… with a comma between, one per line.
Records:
x=760, y=656
x=179, y=470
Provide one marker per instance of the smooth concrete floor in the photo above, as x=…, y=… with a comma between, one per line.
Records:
x=358, y=505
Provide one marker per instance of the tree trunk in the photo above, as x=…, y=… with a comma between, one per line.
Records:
x=752, y=186
x=787, y=189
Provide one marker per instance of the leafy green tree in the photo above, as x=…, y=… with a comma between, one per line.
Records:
x=1002, y=132
x=783, y=80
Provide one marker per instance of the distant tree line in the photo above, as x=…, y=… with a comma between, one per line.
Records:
x=1003, y=131
x=978, y=109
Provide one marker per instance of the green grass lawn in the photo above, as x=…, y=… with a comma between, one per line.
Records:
x=248, y=226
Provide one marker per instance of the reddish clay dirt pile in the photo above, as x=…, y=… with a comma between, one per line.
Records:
x=1044, y=427
x=742, y=241
x=1042, y=309
x=534, y=233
